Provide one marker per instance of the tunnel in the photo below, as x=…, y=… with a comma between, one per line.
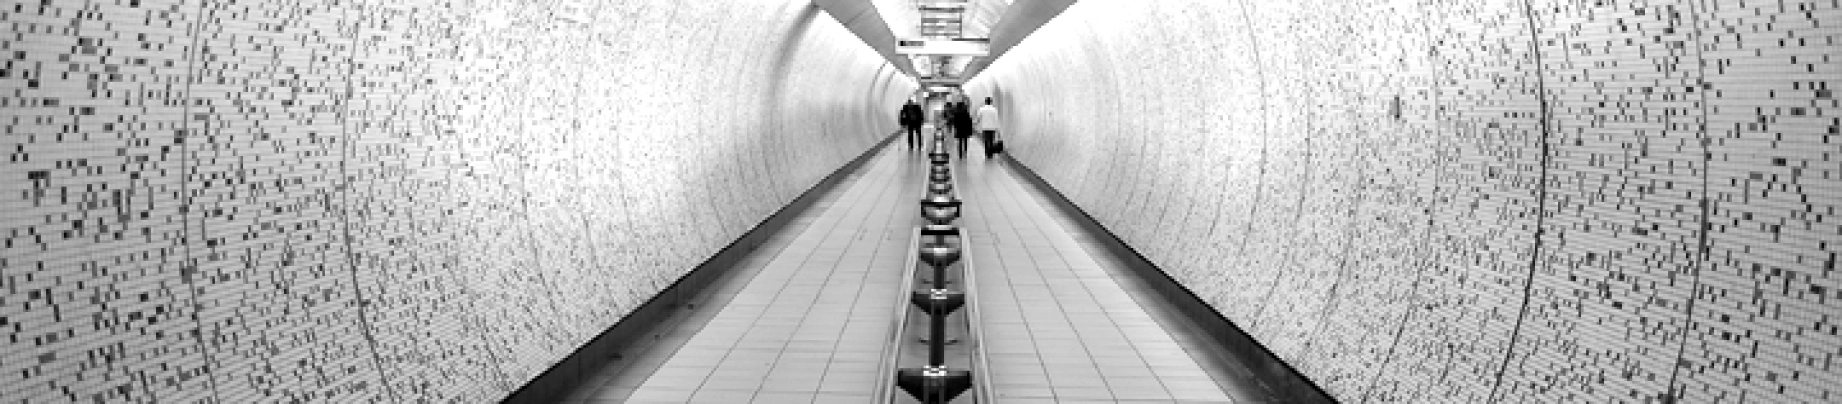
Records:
x=1150, y=201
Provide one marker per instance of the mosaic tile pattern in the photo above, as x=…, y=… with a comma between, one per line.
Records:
x=392, y=201
x=1764, y=319
x=278, y=306
x=100, y=282
x=1468, y=200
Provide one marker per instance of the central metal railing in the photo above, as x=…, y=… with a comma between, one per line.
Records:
x=935, y=353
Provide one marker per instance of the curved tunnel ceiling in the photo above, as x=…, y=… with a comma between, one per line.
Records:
x=866, y=21
x=880, y=23
x=1020, y=18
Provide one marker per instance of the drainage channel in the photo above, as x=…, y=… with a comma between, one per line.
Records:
x=934, y=356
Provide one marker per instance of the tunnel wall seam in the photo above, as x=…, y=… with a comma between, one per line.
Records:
x=345, y=225
x=1541, y=200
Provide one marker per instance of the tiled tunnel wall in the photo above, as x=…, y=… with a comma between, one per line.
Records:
x=1468, y=200
x=387, y=201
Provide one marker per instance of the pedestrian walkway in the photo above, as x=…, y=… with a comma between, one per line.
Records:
x=806, y=317
x=1060, y=327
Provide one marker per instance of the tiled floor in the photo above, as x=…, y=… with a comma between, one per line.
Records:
x=811, y=322
x=1234, y=378
x=805, y=318
x=1059, y=327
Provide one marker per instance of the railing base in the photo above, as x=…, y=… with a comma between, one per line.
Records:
x=934, y=385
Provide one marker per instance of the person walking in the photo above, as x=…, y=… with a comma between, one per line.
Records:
x=987, y=121
x=962, y=125
x=911, y=117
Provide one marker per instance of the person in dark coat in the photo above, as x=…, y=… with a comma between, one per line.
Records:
x=962, y=126
x=945, y=115
x=910, y=119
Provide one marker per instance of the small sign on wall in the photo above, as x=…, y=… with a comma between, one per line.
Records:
x=573, y=11
x=961, y=47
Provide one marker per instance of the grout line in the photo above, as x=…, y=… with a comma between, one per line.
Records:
x=697, y=318
x=1045, y=221
x=185, y=198
x=1413, y=288
x=345, y=191
x=1049, y=222
x=823, y=225
x=1260, y=179
x=1541, y=200
x=1291, y=258
x=1343, y=268
x=870, y=210
x=1701, y=256
x=1219, y=369
x=807, y=221
x=1022, y=315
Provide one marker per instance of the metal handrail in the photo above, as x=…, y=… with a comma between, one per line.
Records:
x=886, y=389
x=885, y=385
x=981, y=366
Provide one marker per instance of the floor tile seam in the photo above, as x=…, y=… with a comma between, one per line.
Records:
x=863, y=211
x=851, y=236
x=976, y=219
x=856, y=184
x=770, y=286
x=792, y=330
x=889, y=191
x=892, y=209
x=1052, y=234
x=716, y=319
x=1036, y=200
x=1017, y=205
x=825, y=284
x=858, y=210
x=994, y=221
x=1111, y=332
x=1039, y=199
x=692, y=341
x=717, y=315
x=1012, y=230
x=831, y=359
x=1138, y=340
x=808, y=222
x=1028, y=338
x=817, y=235
x=865, y=185
x=778, y=255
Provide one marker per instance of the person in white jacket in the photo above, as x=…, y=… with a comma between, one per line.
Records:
x=987, y=121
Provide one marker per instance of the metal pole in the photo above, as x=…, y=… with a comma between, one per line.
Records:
x=940, y=277
x=937, y=352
